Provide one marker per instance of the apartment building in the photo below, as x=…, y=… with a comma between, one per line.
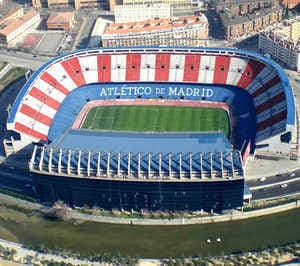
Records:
x=183, y=31
x=283, y=44
x=14, y=25
x=132, y=13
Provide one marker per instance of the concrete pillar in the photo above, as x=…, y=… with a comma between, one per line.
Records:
x=32, y=159
x=180, y=163
x=241, y=160
x=191, y=165
x=79, y=163
x=99, y=164
x=59, y=161
x=69, y=163
x=170, y=164
x=108, y=164
x=89, y=164
x=159, y=164
x=50, y=160
x=149, y=164
x=221, y=160
x=119, y=164
x=129, y=164
x=211, y=164
x=42, y=158
x=139, y=164
x=232, y=164
x=201, y=165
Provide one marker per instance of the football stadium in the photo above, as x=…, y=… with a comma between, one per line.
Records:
x=156, y=128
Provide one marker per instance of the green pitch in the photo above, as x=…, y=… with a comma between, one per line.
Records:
x=157, y=119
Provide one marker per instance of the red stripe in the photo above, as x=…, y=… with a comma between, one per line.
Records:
x=252, y=69
x=191, y=68
x=133, y=67
x=73, y=68
x=44, y=98
x=54, y=83
x=221, y=69
x=272, y=120
x=27, y=110
x=30, y=131
x=266, y=86
x=271, y=102
x=162, y=65
x=104, y=68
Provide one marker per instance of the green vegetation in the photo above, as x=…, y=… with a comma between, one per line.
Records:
x=12, y=75
x=157, y=119
x=89, y=238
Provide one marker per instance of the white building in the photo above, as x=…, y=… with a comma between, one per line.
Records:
x=132, y=13
x=183, y=31
x=281, y=49
x=283, y=43
x=12, y=28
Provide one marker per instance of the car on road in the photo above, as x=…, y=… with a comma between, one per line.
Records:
x=283, y=185
x=292, y=174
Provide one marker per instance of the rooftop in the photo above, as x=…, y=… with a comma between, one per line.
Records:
x=228, y=20
x=60, y=17
x=155, y=24
x=7, y=7
x=9, y=25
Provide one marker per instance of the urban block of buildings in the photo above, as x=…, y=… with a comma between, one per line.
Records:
x=290, y=3
x=61, y=21
x=242, y=26
x=77, y=4
x=132, y=13
x=183, y=31
x=170, y=2
x=14, y=22
x=241, y=18
x=283, y=43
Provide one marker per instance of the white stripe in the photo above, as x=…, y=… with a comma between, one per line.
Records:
x=147, y=67
x=49, y=90
x=176, y=74
x=236, y=68
x=39, y=106
x=89, y=68
x=207, y=75
x=60, y=74
x=118, y=67
x=31, y=123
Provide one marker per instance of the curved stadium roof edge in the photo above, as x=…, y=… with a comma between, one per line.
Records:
x=287, y=88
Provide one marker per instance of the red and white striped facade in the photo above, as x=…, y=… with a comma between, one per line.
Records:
x=59, y=77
